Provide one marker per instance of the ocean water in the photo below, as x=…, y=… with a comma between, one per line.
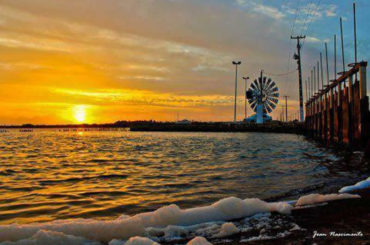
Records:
x=48, y=175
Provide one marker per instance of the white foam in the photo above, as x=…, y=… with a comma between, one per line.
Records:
x=137, y=240
x=365, y=184
x=126, y=227
x=199, y=241
x=265, y=237
x=140, y=241
x=227, y=229
x=43, y=237
x=318, y=198
x=96, y=230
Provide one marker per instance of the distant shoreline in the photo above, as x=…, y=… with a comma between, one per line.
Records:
x=273, y=127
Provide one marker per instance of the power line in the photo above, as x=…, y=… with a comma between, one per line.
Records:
x=311, y=19
x=281, y=74
x=291, y=33
x=295, y=17
x=307, y=16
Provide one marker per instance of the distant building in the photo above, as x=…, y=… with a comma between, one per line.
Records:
x=185, y=121
x=253, y=118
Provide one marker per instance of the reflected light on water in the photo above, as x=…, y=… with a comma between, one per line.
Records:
x=47, y=175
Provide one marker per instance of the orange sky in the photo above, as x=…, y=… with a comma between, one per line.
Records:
x=103, y=61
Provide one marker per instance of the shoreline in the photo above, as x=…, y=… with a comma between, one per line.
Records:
x=273, y=127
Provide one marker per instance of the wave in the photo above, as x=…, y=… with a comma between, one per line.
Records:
x=78, y=179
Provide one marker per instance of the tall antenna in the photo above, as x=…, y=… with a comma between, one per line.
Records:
x=318, y=76
x=322, y=72
x=335, y=57
x=327, y=64
x=313, y=83
x=355, y=34
x=314, y=78
x=342, y=44
x=245, y=96
x=305, y=83
x=236, y=63
x=354, y=30
x=286, y=108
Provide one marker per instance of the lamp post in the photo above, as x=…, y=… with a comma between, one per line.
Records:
x=236, y=63
x=245, y=96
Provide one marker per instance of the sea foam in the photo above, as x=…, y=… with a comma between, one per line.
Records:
x=318, y=198
x=126, y=227
x=169, y=222
x=357, y=187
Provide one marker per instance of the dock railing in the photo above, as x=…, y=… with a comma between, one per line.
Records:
x=339, y=113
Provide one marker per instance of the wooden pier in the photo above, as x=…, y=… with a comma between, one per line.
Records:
x=339, y=113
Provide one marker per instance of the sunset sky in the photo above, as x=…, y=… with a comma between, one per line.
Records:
x=86, y=61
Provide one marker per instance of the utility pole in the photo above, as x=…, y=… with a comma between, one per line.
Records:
x=305, y=83
x=318, y=77
x=245, y=96
x=355, y=34
x=322, y=72
x=327, y=64
x=282, y=113
x=298, y=58
x=236, y=63
x=335, y=57
x=309, y=88
x=354, y=31
x=342, y=44
x=286, y=107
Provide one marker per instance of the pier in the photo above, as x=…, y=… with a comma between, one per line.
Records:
x=339, y=113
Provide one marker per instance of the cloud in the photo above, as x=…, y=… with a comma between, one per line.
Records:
x=331, y=11
x=310, y=12
x=311, y=39
x=178, y=49
x=268, y=11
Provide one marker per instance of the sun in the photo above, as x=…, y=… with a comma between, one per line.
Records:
x=79, y=113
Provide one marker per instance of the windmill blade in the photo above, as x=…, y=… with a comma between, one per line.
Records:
x=253, y=85
x=271, y=104
x=273, y=84
x=254, y=105
x=267, y=107
x=273, y=100
x=268, y=82
x=264, y=83
x=253, y=102
x=260, y=83
x=267, y=86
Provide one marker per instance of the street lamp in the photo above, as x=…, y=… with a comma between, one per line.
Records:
x=236, y=63
x=245, y=96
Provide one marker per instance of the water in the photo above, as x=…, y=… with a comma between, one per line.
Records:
x=50, y=174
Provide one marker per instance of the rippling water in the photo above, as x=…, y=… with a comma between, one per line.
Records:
x=48, y=174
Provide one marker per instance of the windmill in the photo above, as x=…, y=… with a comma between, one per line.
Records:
x=263, y=96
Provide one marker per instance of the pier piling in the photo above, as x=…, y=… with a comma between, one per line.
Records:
x=339, y=113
